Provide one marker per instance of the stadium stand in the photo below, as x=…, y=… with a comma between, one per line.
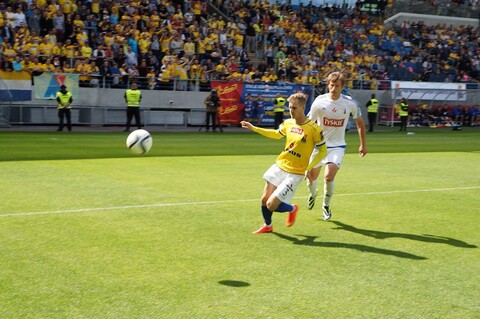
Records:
x=185, y=44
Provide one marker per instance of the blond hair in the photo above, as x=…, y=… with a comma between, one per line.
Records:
x=335, y=76
x=298, y=98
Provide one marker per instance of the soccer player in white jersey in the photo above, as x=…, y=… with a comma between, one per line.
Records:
x=331, y=112
x=282, y=178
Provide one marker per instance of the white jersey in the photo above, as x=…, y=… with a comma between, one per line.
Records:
x=332, y=116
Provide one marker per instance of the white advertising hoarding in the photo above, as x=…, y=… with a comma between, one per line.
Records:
x=438, y=91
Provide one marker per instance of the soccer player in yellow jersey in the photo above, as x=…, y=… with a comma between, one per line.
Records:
x=293, y=163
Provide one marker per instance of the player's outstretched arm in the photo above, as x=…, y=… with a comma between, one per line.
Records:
x=265, y=132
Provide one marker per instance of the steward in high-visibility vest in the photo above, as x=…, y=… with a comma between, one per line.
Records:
x=372, y=107
x=279, y=108
x=64, y=105
x=403, y=109
x=403, y=113
x=133, y=97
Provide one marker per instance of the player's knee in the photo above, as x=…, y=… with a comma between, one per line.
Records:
x=313, y=174
x=329, y=178
x=264, y=200
x=272, y=206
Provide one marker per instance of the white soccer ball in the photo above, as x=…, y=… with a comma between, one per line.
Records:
x=139, y=142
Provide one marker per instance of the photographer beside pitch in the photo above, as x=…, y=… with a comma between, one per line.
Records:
x=293, y=163
x=212, y=103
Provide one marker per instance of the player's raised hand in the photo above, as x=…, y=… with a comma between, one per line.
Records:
x=246, y=125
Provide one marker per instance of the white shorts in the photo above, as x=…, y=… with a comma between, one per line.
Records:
x=334, y=155
x=285, y=182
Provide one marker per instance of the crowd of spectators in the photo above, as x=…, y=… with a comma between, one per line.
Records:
x=160, y=42
x=439, y=116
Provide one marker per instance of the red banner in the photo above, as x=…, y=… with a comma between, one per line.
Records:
x=230, y=94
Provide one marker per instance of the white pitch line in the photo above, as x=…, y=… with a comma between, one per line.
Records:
x=86, y=210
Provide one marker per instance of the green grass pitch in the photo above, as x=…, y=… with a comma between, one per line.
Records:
x=89, y=230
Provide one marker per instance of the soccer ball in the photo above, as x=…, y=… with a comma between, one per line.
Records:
x=139, y=142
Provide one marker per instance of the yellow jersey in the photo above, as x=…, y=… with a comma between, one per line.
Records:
x=299, y=145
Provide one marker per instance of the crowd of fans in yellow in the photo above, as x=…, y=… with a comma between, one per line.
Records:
x=157, y=42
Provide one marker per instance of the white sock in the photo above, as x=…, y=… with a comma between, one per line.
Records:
x=328, y=192
x=312, y=186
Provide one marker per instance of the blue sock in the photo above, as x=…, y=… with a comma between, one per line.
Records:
x=284, y=208
x=267, y=215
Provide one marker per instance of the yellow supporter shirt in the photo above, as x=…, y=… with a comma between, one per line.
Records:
x=189, y=48
x=155, y=20
x=136, y=17
x=195, y=35
x=46, y=48
x=86, y=51
x=84, y=70
x=299, y=144
x=23, y=33
x=109, y=40
x=119, y=29
x=69, y=7
x=358, y=59
x=314, y=80
x=31, y=48
x=52, y=10
x=78, y=23
x=197, y=8
x=181, y=72
x=58, y=50
x=209, y=41
x=165, y=43
x=35, y=66
x=166, y=75
x=265, y=78
x=95, y=6
x=201, y=47
x=82, y=38
x=69, y=50
x=238, y=40
x=273, y=77
x=41, y=3
x=68, y=69
x=195, y=71
x=9, y=54
x=144, y=45
x=236, y=76
x=220, y=67
x=135, y=34
x=49, y=67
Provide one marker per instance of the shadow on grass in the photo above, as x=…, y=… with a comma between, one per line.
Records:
x=384, y=235
x=234, y=283
x=310, y=241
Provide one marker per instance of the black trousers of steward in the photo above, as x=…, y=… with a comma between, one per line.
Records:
x=133, y=112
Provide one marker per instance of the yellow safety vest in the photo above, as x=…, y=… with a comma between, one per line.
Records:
x=373, y=107
x=280, y=105
x=64, y=98
x=403, y=109
x=133, y=97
